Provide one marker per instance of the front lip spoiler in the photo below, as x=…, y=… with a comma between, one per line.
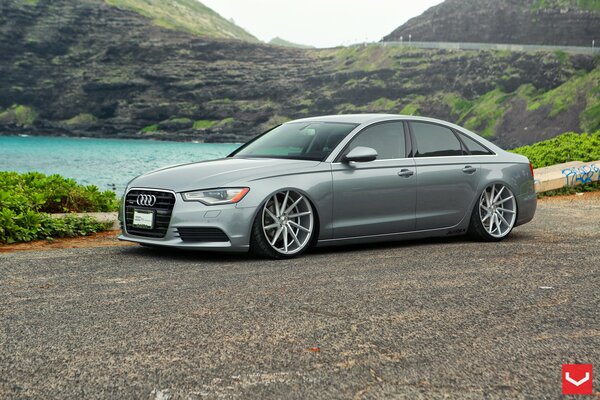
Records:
x=179, y=244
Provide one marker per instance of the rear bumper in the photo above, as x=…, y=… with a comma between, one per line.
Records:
x=526, y=206
x=235, y=222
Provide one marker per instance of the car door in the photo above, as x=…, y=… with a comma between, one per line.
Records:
x=375, y=197
x=447, y=176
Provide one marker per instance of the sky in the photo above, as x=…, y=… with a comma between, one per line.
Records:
x=320, y=23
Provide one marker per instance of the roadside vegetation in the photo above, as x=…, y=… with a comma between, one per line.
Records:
x=564, y=148
x=27, y=199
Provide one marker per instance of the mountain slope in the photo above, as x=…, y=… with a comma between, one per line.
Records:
x=546, y=22
x=186, y=15
x=277, y=41
x=83, y=67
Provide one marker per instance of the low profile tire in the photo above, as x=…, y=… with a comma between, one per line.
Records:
x=284, y=226
x=495, y=214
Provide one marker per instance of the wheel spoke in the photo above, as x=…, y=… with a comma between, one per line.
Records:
x=292, y=223
x=285, y=199
x=285, y=239
x=271, y=214
x=497, y=221
x=272, y=226
x=498, y=195
x=294, y=237
x=503, y=219
x=486, y=217
x=300, y=214
x=504, y=200
x=506, y=210
x=277, y=211
x=276, y=236
x=294, y=204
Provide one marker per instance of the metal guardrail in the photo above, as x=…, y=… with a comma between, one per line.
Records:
x=495, y=46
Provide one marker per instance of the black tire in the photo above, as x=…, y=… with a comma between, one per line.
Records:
x=476, y=229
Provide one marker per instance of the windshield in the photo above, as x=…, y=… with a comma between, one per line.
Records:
x=297, y=140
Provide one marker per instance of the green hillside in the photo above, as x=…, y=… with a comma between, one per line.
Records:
x=186, y=15
x=285, y=43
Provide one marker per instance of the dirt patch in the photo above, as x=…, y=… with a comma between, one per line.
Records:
x=593, y=197
x=103, y=239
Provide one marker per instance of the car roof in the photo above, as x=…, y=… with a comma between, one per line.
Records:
x=365, y=118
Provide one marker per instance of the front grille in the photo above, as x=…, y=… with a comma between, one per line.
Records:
x=202, y=235
x=163, y=208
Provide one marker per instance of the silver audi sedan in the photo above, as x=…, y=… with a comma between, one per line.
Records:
x=334, y=180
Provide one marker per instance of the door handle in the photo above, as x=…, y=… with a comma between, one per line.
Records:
x=406, y=173
x=469, y=169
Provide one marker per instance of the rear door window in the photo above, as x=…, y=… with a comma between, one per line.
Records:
x=435, y=140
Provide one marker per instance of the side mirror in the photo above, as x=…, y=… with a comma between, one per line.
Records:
x=360, y=154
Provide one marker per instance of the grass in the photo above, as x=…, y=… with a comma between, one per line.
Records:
x=485, y=112
x=26, y=199
x=204, y=124
x=181, y=120
x=185, y=15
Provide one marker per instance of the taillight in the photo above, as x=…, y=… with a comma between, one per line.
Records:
x=531, y=169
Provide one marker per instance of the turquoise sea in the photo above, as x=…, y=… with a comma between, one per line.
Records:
x=106, y=163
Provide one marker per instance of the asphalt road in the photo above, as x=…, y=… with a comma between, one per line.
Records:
x=425, y=319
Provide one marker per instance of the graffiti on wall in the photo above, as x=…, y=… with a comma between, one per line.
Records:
x=581, y=175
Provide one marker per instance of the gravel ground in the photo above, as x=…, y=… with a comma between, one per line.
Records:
x=422, y=319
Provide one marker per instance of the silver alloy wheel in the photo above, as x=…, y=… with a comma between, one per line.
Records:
x=497, y=210
x=287, y=222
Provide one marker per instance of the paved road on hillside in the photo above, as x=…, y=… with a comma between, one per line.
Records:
x=423, y=319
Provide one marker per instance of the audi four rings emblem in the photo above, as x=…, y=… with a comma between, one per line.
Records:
x=147, y=200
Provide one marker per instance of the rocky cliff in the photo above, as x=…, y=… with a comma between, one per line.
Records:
x=87, y=68
x=548, y=22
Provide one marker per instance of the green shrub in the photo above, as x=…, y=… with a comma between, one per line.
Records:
x=81, y=119
x=25, y=200
x=18, y=114
x=566, y=147
x=150, y=128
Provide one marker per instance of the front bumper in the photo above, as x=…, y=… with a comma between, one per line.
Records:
x=235, y=222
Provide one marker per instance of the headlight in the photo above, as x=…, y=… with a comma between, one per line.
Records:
x=213, y=197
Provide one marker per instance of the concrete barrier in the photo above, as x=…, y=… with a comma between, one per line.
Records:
x=568, y=174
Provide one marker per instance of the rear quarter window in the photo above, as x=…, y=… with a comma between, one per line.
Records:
x=473, y=146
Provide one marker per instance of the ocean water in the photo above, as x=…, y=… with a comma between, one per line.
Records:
x=106, y=163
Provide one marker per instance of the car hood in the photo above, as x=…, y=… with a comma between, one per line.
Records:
x=218, y=173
